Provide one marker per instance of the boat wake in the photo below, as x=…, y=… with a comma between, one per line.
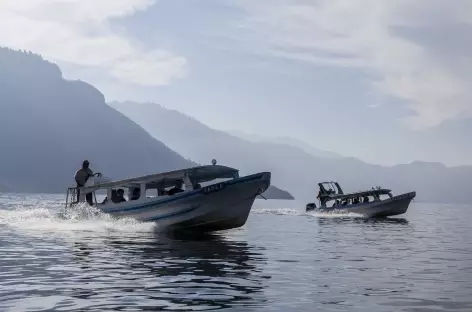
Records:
x=53, y=219
x=334, y=214
x=295, y=212
x=39, y=216
x=276, y=211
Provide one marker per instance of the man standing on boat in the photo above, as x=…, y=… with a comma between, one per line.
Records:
x=81, y=177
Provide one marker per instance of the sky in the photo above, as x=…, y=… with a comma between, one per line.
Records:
x=383, y=81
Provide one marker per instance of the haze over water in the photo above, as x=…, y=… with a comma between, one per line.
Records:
x=282, y=260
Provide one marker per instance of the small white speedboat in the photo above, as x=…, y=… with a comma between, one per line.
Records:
x=206, y=198
x=368, y=203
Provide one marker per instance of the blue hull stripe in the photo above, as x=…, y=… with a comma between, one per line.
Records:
x=177, y=197
x=172, y=214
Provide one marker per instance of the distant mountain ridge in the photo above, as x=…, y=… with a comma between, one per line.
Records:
x=49, y=125
x=293, y=168
x=287, y=141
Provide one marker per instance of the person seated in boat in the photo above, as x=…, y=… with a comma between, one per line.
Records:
x=355, y=201
x=366, y=199
x=120, y=196
x=81, y=177
x=114, y=196
x=344, y=202
x=176, y=189
x=136, y=194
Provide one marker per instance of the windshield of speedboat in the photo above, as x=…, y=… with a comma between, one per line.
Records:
x=330, y=187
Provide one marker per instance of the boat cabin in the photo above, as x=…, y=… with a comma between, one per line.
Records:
x=155, y=185
x=331, y=195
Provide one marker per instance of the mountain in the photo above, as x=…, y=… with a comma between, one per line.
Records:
x=274, y=192
x=49, y=125
x=287, y=141
x=293, y=168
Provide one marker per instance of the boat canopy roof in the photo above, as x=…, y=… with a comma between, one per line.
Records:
x=331, y=190
x=357, y=194
x=166, y=179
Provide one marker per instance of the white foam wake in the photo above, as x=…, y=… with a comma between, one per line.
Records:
x=49, y=217
x=334, y=214
x=295, y=212
x=278, y=211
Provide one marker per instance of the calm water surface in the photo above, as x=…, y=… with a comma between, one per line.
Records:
x=282, y=260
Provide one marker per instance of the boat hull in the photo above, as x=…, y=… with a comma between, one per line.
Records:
x=216, y=207
x=396, y=205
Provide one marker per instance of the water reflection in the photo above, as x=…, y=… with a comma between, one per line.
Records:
x=389, y=220
x=421, y=262
x=361, y=220
x=177, y=271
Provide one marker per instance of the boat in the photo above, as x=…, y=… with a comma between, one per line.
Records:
x=207, y=198
x=376, y=202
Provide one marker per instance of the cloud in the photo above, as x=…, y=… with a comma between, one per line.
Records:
x=79, y=32
x=395, y=42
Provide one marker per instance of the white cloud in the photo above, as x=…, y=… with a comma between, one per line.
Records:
x=395, y=41
x=78, y=32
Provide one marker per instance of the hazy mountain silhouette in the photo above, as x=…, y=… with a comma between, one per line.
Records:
x=48, y=125
x=293, y=168
x=287, y=141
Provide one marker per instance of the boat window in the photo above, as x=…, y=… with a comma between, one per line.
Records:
x=164, y=191
x=113, y=196
x=151, y=193
x=134, y=193
x=178, y=187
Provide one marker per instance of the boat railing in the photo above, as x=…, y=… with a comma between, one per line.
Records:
x=71, y=192
x=72, y=200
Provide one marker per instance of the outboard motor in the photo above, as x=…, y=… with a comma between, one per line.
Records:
x=310, y=207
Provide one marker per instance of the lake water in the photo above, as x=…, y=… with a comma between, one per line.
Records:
x=282, y=260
